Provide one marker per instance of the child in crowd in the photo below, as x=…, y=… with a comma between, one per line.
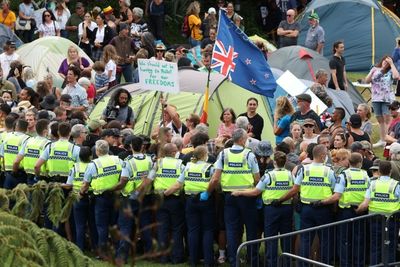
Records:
x=109, y=58
x=100, y=79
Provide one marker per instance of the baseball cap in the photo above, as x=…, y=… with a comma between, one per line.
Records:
x=309, y=121
x=78, y=5
x=313, y=15
x=375, y=165
x=212, y=10
x=394, y=148
x=11, y=43
x=356, y=146
x=93, y=125
x=304, y=97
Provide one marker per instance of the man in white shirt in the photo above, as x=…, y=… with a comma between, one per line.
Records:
x=8, y=56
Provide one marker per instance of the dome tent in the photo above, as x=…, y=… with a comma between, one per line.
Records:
x=45, y=55
x=223, y=94
x=304, y=63
x=368, y=33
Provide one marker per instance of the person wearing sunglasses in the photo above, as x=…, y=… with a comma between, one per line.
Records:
x=49, y=26
x=288, y=30
x=308, y=128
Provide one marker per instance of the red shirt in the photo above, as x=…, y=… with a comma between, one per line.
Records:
x=91, y=91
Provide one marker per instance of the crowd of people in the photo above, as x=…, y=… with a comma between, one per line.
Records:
x=182, y=185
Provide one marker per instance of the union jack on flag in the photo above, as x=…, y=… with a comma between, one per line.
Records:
x=224, y=59
x=236, y=57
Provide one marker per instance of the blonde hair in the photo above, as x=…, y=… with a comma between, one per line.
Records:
x=169, y=56
x=71, y=48
x=109, y=53
x=27, y=73
x=367, y=109
x=340, y=153
x=199, y=153
x=193, y=8
x=283, y=106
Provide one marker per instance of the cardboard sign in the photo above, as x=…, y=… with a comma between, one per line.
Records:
x=291, y=84
x=158, y=75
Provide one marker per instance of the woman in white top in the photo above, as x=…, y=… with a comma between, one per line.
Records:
x=49, y=26
x=62, y=14
x=308, y=128
x=84, y=40
x=109, y=57
x=100, y=37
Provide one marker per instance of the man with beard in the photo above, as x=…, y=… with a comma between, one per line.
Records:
x=118, y=109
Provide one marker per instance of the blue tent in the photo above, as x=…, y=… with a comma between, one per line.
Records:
x=7, y=35
x=368, y=33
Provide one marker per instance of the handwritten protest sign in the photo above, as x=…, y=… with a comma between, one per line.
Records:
x=158, y=75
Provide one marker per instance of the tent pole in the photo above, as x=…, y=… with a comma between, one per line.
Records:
x=373, y=35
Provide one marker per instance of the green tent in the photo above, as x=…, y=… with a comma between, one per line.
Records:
x=45, y=55
x=223, y=94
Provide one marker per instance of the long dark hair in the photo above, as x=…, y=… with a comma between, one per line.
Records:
x=380, y=64
x=34, y=97
x=53, y=18
x=119, y=92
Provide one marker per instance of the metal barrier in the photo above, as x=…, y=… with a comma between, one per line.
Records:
x=341, y=243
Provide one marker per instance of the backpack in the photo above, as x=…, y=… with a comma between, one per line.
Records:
x=186, y=31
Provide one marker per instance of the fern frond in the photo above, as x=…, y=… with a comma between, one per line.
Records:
x=69, y=203
x=54, y=204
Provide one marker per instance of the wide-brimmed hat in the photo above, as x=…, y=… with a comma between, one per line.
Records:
x=263, y=149
x=160, y=46
x=49, y=102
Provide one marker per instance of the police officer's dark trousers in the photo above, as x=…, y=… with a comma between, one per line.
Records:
x=13, y=179
x=126, y=224
x=104, y=217
x=351, y=239
x=376, y=234
x=314, y=216
x=171, y=219
x=239, y=210
x=84, y=216
x=200, y=220
x=277, y=220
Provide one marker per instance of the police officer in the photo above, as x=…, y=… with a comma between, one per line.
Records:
x=31, y=151
x=9, y=124
x=236, y=168
x=60, y=156
x=382, y=197
x=9, y=151
x=317, y=183
x=350, y=190
x=134, y=181
x=278, y=217
x=103, y=175
x=84, y=208
x=200, y=215
x=170, y=214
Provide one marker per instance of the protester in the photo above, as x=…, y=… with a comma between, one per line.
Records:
x=73, y=58
x=305, y=112
x=157, y=10
x=7, y=16
x=61, y=14
x=315, y=38
x=73, y=22
x=256, y=121
x=288, y=30
x=364, y=111
x=227, y=126
x=26, y=17
x=337, y=65
x=100, y=37
x=282, y=115
x=138, y=26
x=381, y=78
x=9, y=55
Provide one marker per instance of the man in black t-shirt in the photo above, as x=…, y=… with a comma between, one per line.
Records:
x=305, y=112
x=337, y=66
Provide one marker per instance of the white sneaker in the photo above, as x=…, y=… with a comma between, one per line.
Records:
x=221, y=260
x=380, y=143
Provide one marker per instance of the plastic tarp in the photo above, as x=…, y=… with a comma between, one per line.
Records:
x=368, y=33
x=7, y=35
x=288, y=58
x=340, y=98
x=45, y=55
x=223, y=94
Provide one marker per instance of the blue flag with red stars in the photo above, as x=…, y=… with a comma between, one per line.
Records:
x=236, y=57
